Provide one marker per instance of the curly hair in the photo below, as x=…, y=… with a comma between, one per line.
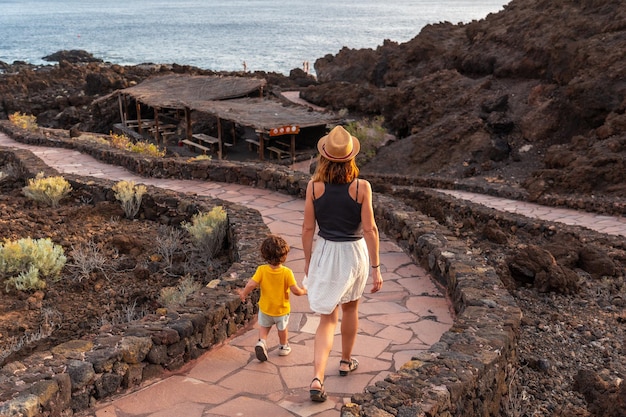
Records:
x=274, y=250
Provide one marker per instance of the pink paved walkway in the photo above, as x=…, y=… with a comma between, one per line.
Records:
x=601, y=223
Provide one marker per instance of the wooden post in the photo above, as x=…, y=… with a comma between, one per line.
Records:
x=122, y=115
x=188, y=122
x=293, y=149
x=261, y=146
x=157, y=135
x=233, y=132
x=126, y=107
x=138, y=107
x=219, y=137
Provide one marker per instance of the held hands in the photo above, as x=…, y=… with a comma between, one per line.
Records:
x=377, y=282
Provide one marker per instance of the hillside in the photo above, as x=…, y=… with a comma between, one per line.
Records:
x=533, y=96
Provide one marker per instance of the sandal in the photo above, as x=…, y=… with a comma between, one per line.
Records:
x=352, y=365
x=318, y=395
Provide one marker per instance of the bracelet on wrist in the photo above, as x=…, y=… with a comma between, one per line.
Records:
x=375, y=266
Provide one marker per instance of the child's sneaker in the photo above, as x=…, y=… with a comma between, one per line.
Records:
x=284, y=350
x=261, y=351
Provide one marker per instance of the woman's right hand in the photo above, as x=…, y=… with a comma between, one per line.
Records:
x=377, y=280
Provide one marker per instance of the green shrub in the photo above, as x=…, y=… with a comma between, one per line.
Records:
x=25, y=261
x=48, y=190
x=26, y=281
x=371, y=134
x=208, y=230
x=130, y=196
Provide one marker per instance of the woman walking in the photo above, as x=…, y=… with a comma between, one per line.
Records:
x=337, y=268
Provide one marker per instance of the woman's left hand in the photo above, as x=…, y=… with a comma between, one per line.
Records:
x=377, y=278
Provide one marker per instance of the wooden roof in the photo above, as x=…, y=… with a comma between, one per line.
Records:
x=218, y=96
x=265, y=114
x=177, y=91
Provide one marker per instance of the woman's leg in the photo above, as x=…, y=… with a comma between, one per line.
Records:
x=323, y=344
x=349, y=328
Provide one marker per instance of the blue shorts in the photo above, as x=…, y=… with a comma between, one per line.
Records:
x=281, y=322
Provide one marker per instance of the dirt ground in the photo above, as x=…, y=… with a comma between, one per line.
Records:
x=90, y=295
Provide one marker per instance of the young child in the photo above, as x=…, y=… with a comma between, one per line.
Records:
x=275, y=282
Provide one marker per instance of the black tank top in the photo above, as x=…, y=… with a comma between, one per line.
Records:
x=338, y=215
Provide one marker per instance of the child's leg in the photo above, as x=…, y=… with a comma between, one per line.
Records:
x=282, y=324
x=263, y=332
x=260, y=349
x=283, y=336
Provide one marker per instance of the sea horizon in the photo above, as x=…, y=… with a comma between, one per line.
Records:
x=219, y=35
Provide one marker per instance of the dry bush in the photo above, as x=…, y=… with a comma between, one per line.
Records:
x=208, y=231
x=25, y=261
x=47, y=190
x=25, y=121
x=130, y=196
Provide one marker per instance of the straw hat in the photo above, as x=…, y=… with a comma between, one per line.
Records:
x=338, y=145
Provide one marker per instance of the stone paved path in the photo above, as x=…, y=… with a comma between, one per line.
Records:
x=407, y=316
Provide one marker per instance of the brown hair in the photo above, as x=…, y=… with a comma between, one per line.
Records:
x=274, y=250
x=331, y=172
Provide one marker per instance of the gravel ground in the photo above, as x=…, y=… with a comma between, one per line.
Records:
x=572, y=352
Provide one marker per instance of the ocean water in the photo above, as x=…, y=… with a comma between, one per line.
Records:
x=219, y=35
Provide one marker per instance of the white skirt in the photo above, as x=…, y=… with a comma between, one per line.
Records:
x=338, y=272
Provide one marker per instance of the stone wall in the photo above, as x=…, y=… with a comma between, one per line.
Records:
x=466, y=373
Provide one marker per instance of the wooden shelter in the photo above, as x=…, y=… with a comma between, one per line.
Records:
x=226, y=98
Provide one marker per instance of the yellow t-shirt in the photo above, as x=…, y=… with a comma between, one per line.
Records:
x=274, y=285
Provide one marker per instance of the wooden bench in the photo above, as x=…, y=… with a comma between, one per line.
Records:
x=145, y=123
x=277, y=151
x=253, y=144
x=284, y=144
x=191, y=143
x=168, y=133
x=162, y=128
x=206, y=138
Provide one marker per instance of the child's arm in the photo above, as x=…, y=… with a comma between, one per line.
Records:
x=297, y=290
x=250, y=286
